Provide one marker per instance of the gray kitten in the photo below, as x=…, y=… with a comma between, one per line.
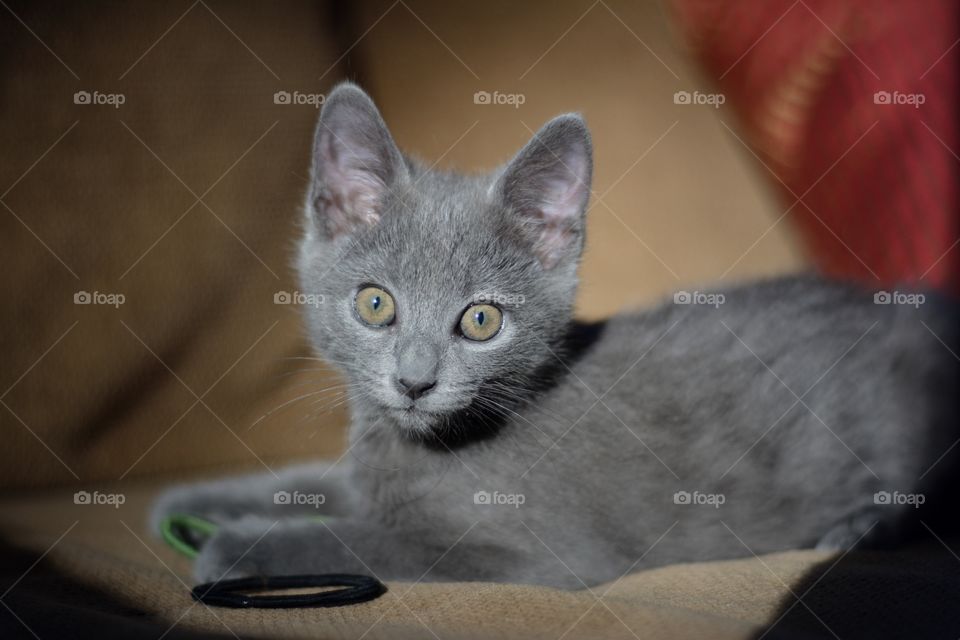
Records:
x=494, y=438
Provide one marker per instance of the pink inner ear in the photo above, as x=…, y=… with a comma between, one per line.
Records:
x=563, y=198
x=351, y=189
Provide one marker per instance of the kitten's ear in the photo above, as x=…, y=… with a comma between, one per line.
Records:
x=546, y=187
x=355, y=161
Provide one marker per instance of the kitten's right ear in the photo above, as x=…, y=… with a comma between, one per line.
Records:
x=355, y=161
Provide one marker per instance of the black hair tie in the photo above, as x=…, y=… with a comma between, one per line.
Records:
x=234, y=593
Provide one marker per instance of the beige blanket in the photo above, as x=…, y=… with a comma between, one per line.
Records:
x=858, y=595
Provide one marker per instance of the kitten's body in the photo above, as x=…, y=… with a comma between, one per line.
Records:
x=792, y=403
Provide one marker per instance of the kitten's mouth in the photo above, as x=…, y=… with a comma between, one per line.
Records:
x=424, y=418
x=416, y=409
x=426, y=410
x=421, y=418
x=444, y=428
x=415, y=418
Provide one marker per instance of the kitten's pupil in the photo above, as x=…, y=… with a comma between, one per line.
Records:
x=375, y=303
x=480, y=318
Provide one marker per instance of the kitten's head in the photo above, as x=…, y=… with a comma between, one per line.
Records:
x=444, y=295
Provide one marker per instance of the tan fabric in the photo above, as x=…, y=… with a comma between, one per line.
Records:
x=109, y=547
x=108, y=202
x=910, y=593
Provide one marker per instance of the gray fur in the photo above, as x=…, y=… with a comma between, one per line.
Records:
x=594, y=429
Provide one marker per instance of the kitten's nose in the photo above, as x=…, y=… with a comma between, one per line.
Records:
x=417, y=365
x=415, y=388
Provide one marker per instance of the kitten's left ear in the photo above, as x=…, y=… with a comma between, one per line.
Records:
x=546, y=187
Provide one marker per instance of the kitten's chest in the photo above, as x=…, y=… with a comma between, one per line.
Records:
x=392, y=478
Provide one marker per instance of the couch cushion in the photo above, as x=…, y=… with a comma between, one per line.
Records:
x=183, y=199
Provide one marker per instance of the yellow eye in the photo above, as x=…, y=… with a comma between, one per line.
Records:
x=481, y=322
x=375, y=306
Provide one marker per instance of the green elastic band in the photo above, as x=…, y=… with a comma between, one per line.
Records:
x=171, y=524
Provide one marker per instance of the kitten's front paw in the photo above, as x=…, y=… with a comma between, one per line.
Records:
x=200, y=500
x=219, y=501
x=238, y=550
x=257, y=546
x=180, y=500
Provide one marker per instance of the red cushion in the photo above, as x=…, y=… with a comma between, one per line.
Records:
x=852, y=105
